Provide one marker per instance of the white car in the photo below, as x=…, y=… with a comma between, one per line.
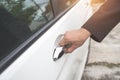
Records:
x=30, y=33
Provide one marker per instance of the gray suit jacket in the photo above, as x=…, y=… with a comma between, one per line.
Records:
x=104, y=20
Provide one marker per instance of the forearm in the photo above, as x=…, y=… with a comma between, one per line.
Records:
x=104, y=20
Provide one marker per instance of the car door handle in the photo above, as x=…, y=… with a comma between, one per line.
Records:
x=58, y=53
x=58, y=50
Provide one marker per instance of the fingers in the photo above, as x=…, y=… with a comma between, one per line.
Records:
x=70, y=49
x=63, y=42
x=74, y=38
x=66, y=45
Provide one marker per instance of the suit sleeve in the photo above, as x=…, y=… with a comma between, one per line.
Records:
x=104, y=20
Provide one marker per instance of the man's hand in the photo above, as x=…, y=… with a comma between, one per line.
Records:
x=74, y=39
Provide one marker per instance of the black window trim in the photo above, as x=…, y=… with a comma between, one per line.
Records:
x=8, y=60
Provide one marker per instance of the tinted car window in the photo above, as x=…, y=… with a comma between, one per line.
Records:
x=20, y=19
x=61, y=5
x=97, y=1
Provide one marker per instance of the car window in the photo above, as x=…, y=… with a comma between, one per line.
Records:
x=97, y=1
x=20, y=19
x=61, y=5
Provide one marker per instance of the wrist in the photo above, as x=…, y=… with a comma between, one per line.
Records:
x=85, y=32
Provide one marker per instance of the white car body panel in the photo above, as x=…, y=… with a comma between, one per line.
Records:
x=36, y=62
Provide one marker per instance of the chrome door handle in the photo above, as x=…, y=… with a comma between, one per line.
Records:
x=58, y=53
x=58, y=50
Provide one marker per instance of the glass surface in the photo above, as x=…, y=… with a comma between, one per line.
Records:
x=61, y=5
x=20, y=19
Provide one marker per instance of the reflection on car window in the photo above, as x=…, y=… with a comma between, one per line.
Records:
x=61, y=5
x=20, y=19
x=95, y=4
x=97, y=1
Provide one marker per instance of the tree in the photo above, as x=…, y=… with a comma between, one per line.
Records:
x=16, y=7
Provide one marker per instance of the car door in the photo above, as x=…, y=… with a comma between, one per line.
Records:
x=32, y=28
